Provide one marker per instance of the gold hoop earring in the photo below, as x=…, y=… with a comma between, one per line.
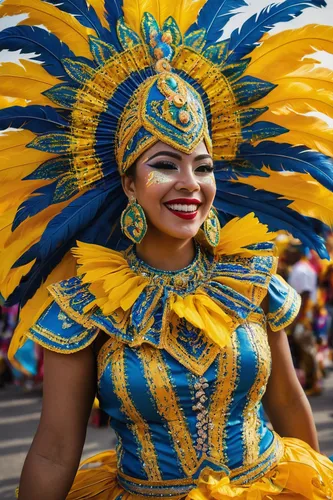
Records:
x=212, y=228
x=133, y=222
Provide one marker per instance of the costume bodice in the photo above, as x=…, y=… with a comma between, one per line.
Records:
x=187, y=362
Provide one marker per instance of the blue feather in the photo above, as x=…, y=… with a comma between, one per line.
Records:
x=240, y=199
x=49, y=49
x=250, y=89
x=38, y=201
x=84, y=13
x=95, y=229
x=244, y=41
x=214, y=15
x=292, y=158
x=37, y=119
x=262, y=130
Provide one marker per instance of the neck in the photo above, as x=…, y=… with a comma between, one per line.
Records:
x=166, y=253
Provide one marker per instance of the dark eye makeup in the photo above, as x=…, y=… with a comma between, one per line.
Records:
x=166, y=165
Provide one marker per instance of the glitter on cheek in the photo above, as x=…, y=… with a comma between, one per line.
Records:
x=157, y=178
x=208, y=179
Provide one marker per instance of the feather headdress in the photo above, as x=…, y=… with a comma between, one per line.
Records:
x=63, y=110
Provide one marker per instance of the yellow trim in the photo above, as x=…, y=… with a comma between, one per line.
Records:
x=167, y=403
x=258, y=338
x=220, y=402
x=139, y=425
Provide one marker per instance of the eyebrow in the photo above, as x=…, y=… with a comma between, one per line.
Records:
x=166, y=153
x=179, y=157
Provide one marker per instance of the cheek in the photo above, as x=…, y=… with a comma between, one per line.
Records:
x=208, y=187
x=156, y=178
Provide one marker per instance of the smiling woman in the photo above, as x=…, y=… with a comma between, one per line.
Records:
x=141, y=136
x=176, y=191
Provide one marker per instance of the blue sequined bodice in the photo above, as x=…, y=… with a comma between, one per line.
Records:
x=179, y=402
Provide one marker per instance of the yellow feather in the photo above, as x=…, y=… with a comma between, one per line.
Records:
x=6, y=102
x=99, y=7
x=309, y=198
x=13, y=191
x=304, y=130
x=309, y=85
x=13, y=279
x=26, y=81
x=241, y=232
x=27, y=234
x=16, y=160
x=37, y=305
x=185, y=12
x=285, y=52
x=66, y=27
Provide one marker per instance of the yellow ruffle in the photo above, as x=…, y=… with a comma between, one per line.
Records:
x=301, y=474
x=202, y=312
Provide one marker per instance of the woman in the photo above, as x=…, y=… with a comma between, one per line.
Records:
x=171, y=330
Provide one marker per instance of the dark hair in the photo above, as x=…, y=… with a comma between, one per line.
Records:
x=131, y=171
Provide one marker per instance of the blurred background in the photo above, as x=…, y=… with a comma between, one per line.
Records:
x=310, y=337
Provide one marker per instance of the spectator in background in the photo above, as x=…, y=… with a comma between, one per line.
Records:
x=303, y=278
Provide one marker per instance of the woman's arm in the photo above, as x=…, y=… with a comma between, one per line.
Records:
x=285, y=401
x=68, y=393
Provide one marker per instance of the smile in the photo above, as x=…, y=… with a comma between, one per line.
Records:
x=184, y=208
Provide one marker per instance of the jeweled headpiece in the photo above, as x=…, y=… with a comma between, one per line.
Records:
x=107, y=79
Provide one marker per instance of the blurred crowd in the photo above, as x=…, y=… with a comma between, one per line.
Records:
x=310, y=336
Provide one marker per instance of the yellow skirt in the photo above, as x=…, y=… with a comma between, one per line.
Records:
x=301, y=474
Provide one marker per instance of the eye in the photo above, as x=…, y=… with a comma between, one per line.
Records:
x=207, y=168
x=165, y=165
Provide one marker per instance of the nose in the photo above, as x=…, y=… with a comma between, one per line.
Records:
x=187, y=181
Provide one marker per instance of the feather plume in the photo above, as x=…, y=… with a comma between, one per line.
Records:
x=37, y=305
x=14, y=278
x=285, y=52
x=99, y=7
x=241, y=232
x=8, y=102
x=214, y=15
x=48, y=48
x=66, y=27
x=243, y=41
x=240, y=199
x=307, y=131
x=25, y=236
x=308, y=197
x=26, y=81
x=281, y=157
x=38, y=119
x=17, y=161
x=184, y=12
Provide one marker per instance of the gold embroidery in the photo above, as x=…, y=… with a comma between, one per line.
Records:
x=67, y=348
x=259, y=343
x=171, y=342
x=221, y=400
x=104, y=354
x=139, y=425
x=64, y=300
x=267, y=460
x=160, y=386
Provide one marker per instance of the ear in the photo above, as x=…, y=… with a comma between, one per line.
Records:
x=128, y=184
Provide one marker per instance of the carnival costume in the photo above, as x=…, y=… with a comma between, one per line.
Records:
x=187, y=362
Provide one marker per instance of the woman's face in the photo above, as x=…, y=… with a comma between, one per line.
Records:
x=175, y=190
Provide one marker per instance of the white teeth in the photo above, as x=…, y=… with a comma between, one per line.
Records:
x=182, y=208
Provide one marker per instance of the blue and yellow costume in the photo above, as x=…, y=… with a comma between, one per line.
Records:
x=187, y=362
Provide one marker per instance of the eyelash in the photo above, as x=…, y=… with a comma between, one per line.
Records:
x=171, y=166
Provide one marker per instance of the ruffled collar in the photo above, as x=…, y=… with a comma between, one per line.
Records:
x=208, y=299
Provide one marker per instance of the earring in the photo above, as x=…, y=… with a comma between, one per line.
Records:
x=133, y=222
x=212, y=228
